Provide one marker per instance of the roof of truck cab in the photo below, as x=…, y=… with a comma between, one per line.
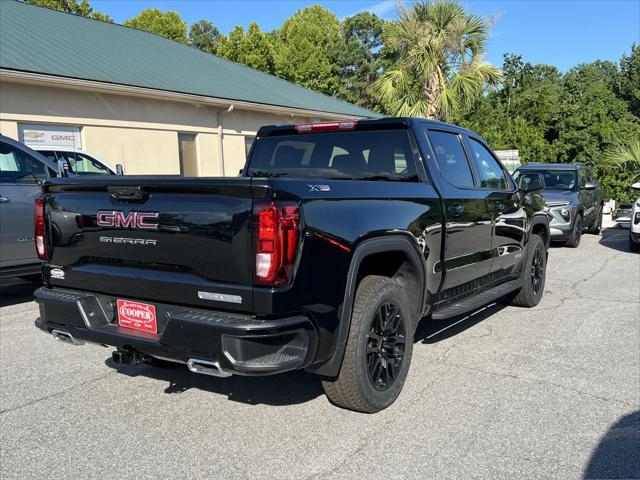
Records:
x=39, y=40
x=550, y=166
x=381, y=122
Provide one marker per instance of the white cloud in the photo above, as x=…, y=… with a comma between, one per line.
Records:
x=384, y=8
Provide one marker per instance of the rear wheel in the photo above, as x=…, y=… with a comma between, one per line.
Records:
x=533, y=274
x=633, y=246
x=594, y=229
x=378, y=351
x=576, y=233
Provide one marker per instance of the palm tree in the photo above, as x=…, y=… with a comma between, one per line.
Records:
x=439, y=66
x=625, y=156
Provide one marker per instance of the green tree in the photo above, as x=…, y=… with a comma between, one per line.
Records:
x=82, y=9
x=204, y=36
x=357, y=58
x=304, y=46
x=628, y=85
x=252, y=48
x=166, y=24
x=439, y=68
x=581, y=116
x=625, y=155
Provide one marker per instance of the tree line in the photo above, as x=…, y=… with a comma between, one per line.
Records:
x=430, y=62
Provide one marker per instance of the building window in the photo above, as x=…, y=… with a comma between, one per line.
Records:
x=248, y=141
x=188, y=154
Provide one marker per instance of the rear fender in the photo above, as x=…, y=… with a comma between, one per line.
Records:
x=392, y=243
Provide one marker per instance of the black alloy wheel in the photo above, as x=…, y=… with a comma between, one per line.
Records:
x=537, y=271
x=385, y=346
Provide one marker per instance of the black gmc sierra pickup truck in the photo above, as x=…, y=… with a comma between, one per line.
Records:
x=323, y=255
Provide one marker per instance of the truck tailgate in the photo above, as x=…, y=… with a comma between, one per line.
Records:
x=169, y=239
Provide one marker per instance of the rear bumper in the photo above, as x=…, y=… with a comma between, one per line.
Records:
x=21, y=270
x=240, y=344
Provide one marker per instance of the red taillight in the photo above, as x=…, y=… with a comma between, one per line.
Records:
x=39, y=230
x=277, y=238
x=326, y=126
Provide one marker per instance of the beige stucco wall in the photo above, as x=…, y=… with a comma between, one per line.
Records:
x=139, y=132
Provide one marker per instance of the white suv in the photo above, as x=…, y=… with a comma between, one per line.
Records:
x=634, y=234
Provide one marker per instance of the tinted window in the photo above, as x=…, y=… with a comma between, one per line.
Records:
x=50, y=155
x=384, y=154
x=582, y=175
x=81, y=164
x=556, y=179
x=248, y=141
x=490, y=174
x=451, y=158
x=18, y=167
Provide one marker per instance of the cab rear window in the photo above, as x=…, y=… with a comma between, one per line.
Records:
x=367, y=155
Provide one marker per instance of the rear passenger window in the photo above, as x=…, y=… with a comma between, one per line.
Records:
x=451, y=158
x=490, y=173
x=18, y=167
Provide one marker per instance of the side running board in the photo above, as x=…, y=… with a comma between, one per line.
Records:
x=476, y=301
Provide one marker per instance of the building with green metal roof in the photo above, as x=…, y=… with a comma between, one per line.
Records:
x=136, y=98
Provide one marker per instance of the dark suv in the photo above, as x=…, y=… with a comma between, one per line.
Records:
x=572, y=198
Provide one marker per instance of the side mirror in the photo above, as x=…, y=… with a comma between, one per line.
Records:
x=636, y=186
x=63, y=168
x=530, y=182
x=589, y=186
x=119, y=169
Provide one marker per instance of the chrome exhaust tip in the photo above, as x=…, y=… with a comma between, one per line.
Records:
x=65, y=337
x=206, y=367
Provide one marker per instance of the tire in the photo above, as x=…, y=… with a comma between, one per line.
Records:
x=376, y=362
x=596, y=226
x=633, y=246
x=573, y=240
x=533, y=274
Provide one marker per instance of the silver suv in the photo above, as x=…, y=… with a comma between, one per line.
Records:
x=21, y=172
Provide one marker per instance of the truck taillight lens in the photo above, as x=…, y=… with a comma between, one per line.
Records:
x=322, y=127
x=277, y=238
x=39, y=230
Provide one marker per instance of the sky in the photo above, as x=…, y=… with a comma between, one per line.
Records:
x=563, y=33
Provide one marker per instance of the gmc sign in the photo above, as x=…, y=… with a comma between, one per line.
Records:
x=117, y=219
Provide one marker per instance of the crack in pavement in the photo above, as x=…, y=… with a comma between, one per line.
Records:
x=542, y=382
x=56, y=394
x=577, y=295
x=383, y=427
x=418, y=397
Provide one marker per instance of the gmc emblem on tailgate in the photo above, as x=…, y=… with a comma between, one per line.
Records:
x=117, y=219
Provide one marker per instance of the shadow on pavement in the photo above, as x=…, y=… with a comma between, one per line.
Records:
x=431, y=331
x=292, y=387
x=616, y=238
x=14, y=291
x=284, y=389
x=618, y=453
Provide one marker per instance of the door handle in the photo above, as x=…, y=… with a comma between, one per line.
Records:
x=5, y=199
x=456, y=210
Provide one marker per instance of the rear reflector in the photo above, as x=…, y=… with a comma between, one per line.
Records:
x=39, y=230
x=326, y=126
x=277, y=237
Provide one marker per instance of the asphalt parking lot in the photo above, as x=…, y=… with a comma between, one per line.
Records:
x=551, y=392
